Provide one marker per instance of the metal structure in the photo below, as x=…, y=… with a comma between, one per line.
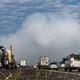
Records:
x=23, y=63
x=43, y=62
x=72, y=62
x=7, y=58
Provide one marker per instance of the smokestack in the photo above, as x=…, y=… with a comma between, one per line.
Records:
x=11, y=49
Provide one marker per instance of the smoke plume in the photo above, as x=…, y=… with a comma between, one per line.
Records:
x=53, y=35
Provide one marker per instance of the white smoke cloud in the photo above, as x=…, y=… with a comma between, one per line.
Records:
x=45, y=34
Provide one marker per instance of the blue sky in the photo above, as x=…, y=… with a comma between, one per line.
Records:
x=36, y=27
x=14, y=13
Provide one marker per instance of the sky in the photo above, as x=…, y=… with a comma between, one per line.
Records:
x=40, y=28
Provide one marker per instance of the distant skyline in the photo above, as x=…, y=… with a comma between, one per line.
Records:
x=36, y=27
